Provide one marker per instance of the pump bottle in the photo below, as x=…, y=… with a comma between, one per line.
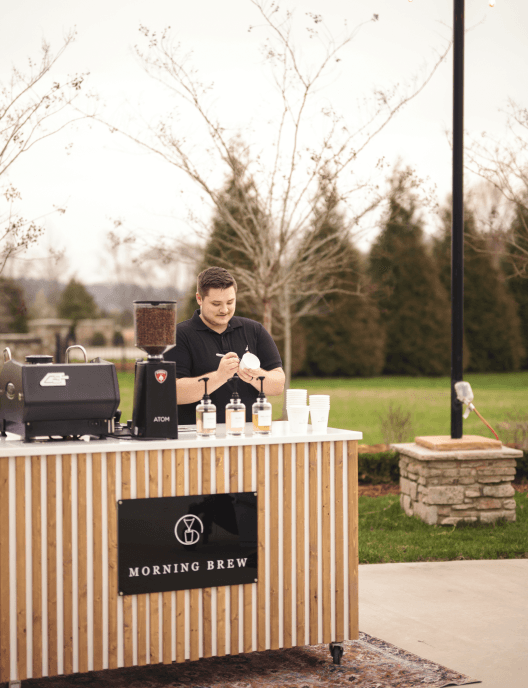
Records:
x=261, y=412
x=235, y=414
x=205, y=414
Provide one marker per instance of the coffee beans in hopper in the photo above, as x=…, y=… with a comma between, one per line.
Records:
x=155, y=329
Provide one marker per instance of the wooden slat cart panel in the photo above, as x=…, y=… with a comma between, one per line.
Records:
x=36, y=560
x=82, y=566
x=141, y=599
x=195, y=595
x=67, y=562
x=300, y=518
x=166, y=482
x=5, y=554
x=112, y=559
x=353, y=548
x=233, y=589
x=180, y=594
x=207, y=612
x=307, y=580
x=21, y=566
x=248, y=588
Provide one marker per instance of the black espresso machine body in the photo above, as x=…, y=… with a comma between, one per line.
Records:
x=155, y=413
x=40, y=399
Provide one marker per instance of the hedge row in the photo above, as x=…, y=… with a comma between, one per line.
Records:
x=384, y=467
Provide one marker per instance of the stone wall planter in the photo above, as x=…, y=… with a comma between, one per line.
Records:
x=445, y=487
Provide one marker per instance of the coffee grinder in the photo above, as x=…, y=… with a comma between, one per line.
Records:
x=155, y=412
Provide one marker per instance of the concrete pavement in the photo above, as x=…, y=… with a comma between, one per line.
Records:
x=471, y=616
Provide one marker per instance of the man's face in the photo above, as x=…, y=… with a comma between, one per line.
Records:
x=218, y=307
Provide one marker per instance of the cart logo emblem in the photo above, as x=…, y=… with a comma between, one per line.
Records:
x=161, y=375
x=54, y=380
x=185, y=530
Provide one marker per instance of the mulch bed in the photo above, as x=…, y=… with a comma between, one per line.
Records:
x=393, y=488
x=378, y=490
x=366, y=663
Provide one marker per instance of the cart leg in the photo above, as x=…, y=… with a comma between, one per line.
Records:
x=336, y=650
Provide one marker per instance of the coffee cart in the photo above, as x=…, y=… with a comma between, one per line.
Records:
x=61, y=611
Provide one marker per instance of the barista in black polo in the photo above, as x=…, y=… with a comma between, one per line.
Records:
x=214, y=329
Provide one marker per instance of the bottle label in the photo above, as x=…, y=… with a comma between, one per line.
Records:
x=238, y=420
x=209, y=421
x=264, y=417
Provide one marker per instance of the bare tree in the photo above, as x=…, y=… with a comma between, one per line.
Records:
x=287, y=266
x=503, y=163
x=33, y=107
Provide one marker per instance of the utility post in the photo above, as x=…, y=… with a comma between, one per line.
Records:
x=457, y=234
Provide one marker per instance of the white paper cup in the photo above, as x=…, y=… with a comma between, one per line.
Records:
x=319, y=418
x=296, y=397
x=280, y=427
x=249, y=361
x=298, y=419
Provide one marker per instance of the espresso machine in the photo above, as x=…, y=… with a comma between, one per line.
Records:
x=155, y=411
x=41, y=400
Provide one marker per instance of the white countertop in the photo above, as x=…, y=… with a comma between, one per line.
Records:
x=12, y=445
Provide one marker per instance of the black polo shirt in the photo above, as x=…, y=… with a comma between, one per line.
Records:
x=195, y=355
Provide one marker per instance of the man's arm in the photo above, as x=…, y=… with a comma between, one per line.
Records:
x=273, y=380
x=190, y=390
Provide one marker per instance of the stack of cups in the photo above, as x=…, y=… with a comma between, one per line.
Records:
x=319, y=410
x=297, y=410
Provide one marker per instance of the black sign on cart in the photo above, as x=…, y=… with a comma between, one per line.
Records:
x=180, y=543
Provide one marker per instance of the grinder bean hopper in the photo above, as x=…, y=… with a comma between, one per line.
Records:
x=155, y=412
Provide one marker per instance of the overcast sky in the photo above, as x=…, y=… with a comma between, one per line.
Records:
x=103, y=177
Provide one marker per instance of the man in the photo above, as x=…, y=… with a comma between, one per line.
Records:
x=214, y=329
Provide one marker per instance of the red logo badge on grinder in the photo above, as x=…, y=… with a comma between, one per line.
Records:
x=161, y=375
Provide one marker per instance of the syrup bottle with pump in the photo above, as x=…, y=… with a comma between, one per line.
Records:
x=205, y=414
x=261, y=412
x=235, y=414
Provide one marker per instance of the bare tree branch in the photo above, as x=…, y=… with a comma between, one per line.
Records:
x=33, y=107
x=288, y=269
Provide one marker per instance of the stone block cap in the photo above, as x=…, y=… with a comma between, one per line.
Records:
x=414, y=450
x=446, y=443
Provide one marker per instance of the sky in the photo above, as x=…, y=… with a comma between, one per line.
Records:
x=102, y=177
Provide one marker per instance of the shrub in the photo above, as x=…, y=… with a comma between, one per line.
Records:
x=396, y=425
x=514, y=429
x=98, y=339
x=384, y=467
x=374, y=469
x=522, y=467
x=118, y=339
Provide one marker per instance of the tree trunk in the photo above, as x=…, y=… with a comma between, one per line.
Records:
x=267, y=321
x=286, y=314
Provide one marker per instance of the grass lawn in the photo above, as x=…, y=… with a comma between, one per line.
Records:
x=356, y=402
x=386, y=535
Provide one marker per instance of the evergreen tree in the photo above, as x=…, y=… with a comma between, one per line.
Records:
x=413, y=303
x=226, y=245
x=517, y=281
x=346, y=337
x=491, y=323
x=13, y=312
x=76, y=303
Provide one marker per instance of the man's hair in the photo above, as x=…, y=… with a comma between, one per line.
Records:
x=214, y=278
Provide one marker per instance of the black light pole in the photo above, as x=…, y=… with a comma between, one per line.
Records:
x=457, y=235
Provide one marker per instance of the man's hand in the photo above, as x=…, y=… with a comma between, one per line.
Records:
x=189, y=390
x=228, y=365
x=251, y=374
